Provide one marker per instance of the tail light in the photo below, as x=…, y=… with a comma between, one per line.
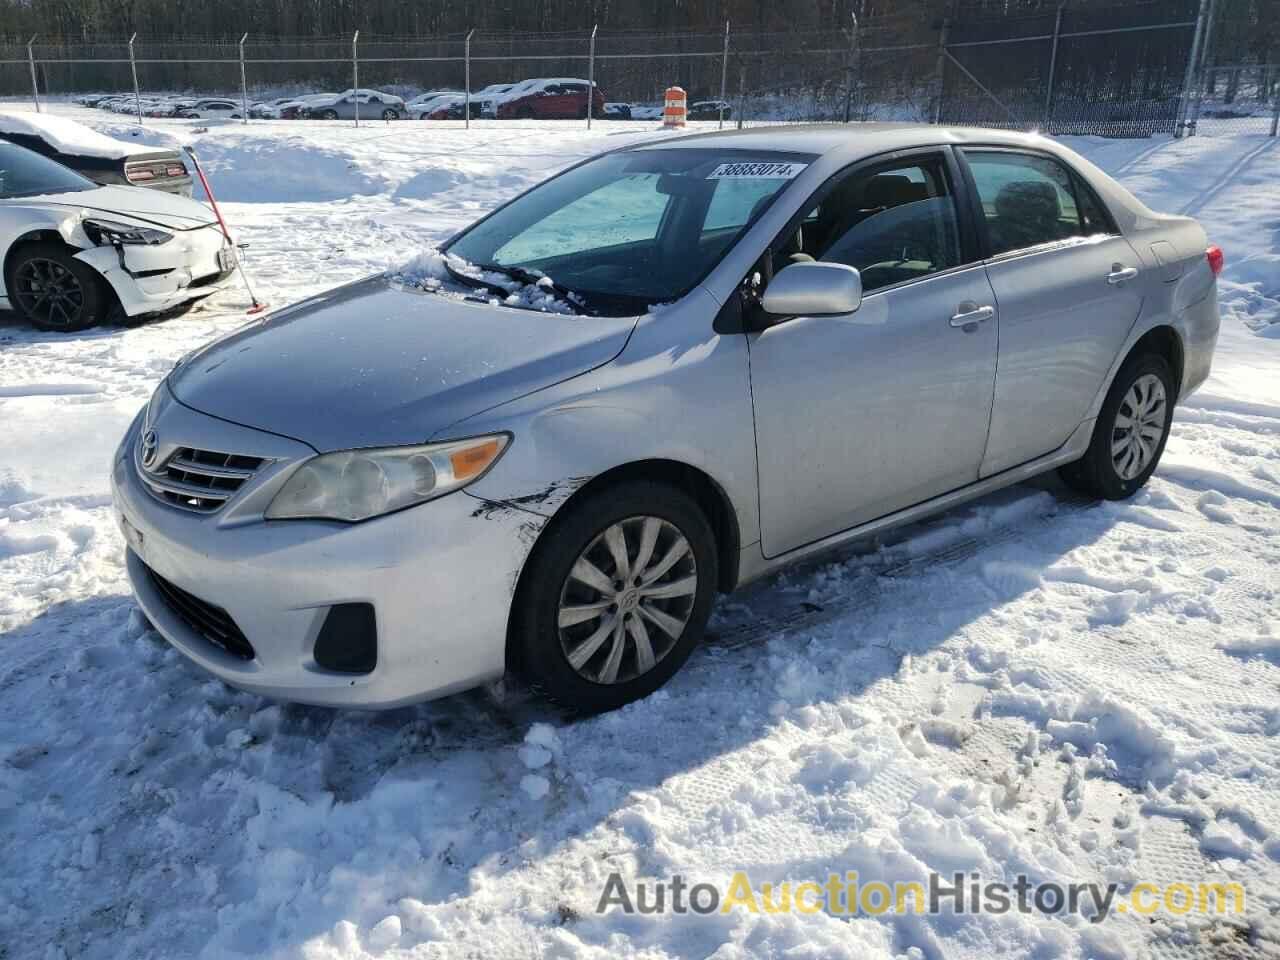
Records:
x=144, y=174
x=1215, y=258
x=177, y=170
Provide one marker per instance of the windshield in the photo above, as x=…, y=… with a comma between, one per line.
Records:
x=24, y=173
x=632, y=229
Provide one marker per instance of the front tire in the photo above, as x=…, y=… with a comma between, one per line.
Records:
x=390, y=114
x=1130, y=434
x=616, y=596
x=53, y=290
x=329, y=115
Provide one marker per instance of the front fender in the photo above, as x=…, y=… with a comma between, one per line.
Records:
x=38, y=224
x=678, y=392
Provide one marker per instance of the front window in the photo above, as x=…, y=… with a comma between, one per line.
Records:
x=24, y=173
x=894, y=223
x=628, y=230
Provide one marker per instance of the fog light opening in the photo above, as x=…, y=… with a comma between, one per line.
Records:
x=348, y=640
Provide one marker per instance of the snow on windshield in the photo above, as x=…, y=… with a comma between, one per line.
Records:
x=430, y=271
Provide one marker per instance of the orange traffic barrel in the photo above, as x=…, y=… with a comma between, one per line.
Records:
x=676, y=109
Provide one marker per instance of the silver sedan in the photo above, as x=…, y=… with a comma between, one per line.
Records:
x=663, y=373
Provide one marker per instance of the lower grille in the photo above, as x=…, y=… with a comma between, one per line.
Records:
x=212, y=623
x=199, y=480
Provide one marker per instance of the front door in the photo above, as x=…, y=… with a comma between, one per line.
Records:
x=862, y=415
x=1069, y=291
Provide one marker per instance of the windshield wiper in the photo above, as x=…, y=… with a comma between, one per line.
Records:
x=476, y=283
x=515, y=273
x=570, y=297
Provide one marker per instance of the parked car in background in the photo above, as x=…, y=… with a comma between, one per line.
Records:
x=645, y=111
x=76, y=253
x=268, y=109
x=617, y=111
x=212, y=109
x=448, y=107
x=367, y=104
x=485, y=97
x=546, y=98
x=294, y=108
x=858, y=328
x=710, y=109
x=414, y=107
x=102, y=159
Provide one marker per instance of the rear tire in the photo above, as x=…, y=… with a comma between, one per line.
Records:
x=524, y=113
x=1130, y=433
x=595, y=646
x=329, y=115
x=390, y=114
x=53, y=290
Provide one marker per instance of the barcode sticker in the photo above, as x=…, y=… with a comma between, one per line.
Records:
x=757, y=170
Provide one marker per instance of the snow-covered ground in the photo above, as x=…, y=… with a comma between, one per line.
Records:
x=1032, y=685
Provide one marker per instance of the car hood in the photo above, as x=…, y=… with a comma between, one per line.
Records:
x=139, y=203
x=379, y=364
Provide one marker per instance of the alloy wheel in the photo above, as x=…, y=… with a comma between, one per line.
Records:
x=49, y=292
x=1139, y=427
x=627, y=600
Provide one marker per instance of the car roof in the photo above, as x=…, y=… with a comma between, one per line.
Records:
x=855, y=139
x=838, y=144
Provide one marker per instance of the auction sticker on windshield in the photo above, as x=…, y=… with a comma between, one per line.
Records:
x=757, y=170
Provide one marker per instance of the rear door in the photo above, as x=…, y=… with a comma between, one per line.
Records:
x=1068, y=289
x=861, y=415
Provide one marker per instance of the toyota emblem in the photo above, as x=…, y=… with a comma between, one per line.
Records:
x=150, y=447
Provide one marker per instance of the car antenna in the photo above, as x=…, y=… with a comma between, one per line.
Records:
x=258, y=305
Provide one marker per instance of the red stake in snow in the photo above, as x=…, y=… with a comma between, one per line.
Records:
x=258, y=305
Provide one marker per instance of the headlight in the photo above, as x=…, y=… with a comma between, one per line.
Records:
x=109, y=233
x=360, y=484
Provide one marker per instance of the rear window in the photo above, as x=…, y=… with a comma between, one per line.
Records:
x=1030, y=199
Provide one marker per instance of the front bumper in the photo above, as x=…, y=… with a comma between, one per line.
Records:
x=440, y=577
x=147, y=279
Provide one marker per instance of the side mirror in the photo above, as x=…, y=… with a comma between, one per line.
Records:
x=813, y=290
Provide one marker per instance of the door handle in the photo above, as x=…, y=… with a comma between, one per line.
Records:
x=971, y=315
x=1120, y=273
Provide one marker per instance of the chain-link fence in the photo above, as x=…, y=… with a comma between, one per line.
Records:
x=1119, y=68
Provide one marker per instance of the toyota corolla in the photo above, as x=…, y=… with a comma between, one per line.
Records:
x=665, y=372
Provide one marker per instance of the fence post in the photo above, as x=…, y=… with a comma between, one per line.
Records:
x=1275, y=116
x=466, y=57
x=848, y=70
x=941, y=70
x=724, y=74
x=1201, y=73
x=244, y=86
x=133, y=65
x=35, y=86
x=742, y=94
x=1053, y=67
x=355, y=74
x=1185, y=100
x=591, y=75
